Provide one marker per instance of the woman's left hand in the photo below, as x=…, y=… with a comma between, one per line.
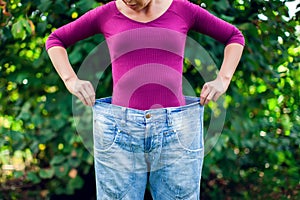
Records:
x=213, y=90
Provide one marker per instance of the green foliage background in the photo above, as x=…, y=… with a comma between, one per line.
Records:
x=256, y=157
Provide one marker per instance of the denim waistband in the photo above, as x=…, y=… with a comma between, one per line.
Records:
x=104, y=106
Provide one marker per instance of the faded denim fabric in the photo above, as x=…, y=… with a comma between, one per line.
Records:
x=163, y=146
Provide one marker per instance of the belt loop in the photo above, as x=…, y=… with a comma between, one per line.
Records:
x=169, y=118
x=124, y=116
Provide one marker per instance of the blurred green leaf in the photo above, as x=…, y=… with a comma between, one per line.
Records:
x=57, y=160
x=46, y=173
x=18, y=30
x=33, y=177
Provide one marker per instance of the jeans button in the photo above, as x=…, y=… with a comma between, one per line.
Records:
x=148, y=116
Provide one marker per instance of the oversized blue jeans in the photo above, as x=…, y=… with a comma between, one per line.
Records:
x=163, y=147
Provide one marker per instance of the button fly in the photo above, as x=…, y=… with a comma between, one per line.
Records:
x=148, y=116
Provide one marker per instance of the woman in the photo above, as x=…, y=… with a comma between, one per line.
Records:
x=147, y=131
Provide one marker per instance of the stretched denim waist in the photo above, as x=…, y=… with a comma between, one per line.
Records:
x=104, y=106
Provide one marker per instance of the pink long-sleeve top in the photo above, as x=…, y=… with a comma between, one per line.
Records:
x=147, y=58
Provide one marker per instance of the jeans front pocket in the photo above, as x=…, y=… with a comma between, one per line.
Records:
x=182, y=139
x=105, y=132
x=186, y=133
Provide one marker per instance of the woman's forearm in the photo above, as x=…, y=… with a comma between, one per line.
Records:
x=214, y=89
x=232, y=56
x=61, y=63
x=80, y=88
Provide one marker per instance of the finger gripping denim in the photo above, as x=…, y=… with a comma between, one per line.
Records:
x=164, y=146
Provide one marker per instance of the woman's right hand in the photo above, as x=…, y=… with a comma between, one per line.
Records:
x=82, y=89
